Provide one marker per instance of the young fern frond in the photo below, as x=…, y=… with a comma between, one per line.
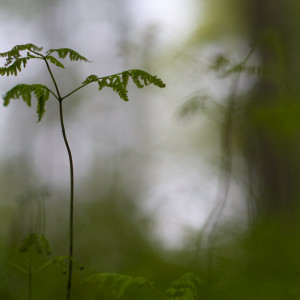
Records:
x=41, y=92
x=63, y=52
x=114, y=82
x=138, y=75
x=118, y=82
x=36, y=241
x=14, y=59
x=14, y=67
x=14, y=53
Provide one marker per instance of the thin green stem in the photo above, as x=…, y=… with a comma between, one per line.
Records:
x=76, y=90
x=53, y=79
x=71, y=224
x=85, y=84
x=71, y=221
x=39, y=54
x=42, y=267
x=11, y=263
x=53, y=93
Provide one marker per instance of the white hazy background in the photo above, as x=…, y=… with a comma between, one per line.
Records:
x=171, y=162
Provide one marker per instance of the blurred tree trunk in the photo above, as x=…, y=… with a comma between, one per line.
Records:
x=272, y=115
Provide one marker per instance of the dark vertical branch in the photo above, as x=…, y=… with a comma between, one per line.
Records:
x=272, y=152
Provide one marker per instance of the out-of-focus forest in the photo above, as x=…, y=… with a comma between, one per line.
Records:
x=200, y=178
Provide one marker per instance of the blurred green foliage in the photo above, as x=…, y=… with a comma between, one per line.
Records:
x=256, y=259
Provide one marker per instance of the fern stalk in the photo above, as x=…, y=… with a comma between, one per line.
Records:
x=71, y=219
x=71, y=224
x=54, y=81
x=117, y=82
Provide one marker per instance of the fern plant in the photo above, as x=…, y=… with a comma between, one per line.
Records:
x=37, y=243
x=119, y=283
x=186, y=287
x=34, y=243
x=16, y=60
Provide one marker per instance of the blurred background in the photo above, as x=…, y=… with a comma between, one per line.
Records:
x=201, y=176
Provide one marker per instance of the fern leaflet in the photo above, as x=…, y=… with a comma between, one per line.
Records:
x=56, y=62
x=14, y=67
x=90, y=79
x=14, y=61
x=117, y=282
x=118, y=82
x=14, y=53
x=63, y=52
x=41, y=92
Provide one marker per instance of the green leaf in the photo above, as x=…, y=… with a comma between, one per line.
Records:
x=125, y=78
x=56, y=62
x=118, y=82
x=138, y=75
x=14, y=61
x=63, y=52
x=41, y=92
x=14, y=67
x=14, y=53
x=115, y=82
x=117, y=282
x=90, y=78
x=29, y=46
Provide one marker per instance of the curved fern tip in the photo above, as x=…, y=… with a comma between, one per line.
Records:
x=63, y=52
